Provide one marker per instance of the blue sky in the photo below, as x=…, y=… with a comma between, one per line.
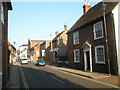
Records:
x=37, y=20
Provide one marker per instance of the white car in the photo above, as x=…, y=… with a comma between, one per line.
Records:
x=24, y=61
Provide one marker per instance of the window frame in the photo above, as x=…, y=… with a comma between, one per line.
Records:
x=74, y=38
x=95, y=38
x=96, y=58
x=75, y=56
x=2, y=13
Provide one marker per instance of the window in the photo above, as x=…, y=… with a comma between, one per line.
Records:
x=76, y=38
x=76, y=55
x=99, y=54
x=98, y=30
x=43, y=53
x=2, y=14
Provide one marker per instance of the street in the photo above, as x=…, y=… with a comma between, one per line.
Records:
x=33, y=76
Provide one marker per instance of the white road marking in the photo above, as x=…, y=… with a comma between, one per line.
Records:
x=24, y=80
x=57, y=79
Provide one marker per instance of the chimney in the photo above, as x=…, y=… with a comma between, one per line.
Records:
x=56, y=33
x=66, y=26
x=86, y=6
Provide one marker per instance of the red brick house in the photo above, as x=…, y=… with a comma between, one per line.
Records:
x=87, y=46
x=4, y=7
x=12, y=56
x=45, y=50
x=59, y=47
x=34, y=49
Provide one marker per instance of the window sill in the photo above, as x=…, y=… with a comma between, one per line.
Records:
x=98, y=38
x=76, y=62
x=76, y=44
x=100, y=62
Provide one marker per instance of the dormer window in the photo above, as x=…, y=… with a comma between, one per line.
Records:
x=98, y=30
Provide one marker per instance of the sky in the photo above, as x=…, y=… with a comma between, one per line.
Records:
x=37, y=20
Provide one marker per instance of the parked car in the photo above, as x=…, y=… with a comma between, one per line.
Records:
x=24, y=61
x=40, y=62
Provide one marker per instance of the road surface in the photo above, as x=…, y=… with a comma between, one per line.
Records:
x=33, y=76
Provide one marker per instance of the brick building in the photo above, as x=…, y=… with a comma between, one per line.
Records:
x=59, y=47
x=87, y=46
x=34, y=49
x=45, y=50
x=12, y=56
x=4, y=7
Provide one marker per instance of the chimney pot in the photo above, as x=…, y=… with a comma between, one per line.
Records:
x=56, y=33
x=66, y=26
x=86, y=6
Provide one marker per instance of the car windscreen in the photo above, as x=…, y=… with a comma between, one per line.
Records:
x=40, y=60
x=24, y=59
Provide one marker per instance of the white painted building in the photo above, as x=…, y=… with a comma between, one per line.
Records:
x=116, y=16
x=23, y=51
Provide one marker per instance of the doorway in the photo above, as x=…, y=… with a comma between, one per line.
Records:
x=87, y=56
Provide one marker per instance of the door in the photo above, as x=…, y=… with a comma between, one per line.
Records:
x=88, y=60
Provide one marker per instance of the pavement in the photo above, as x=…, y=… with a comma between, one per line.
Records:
x=111, y=79
x=14, y=77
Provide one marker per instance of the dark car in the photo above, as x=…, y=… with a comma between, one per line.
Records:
x=40, y=62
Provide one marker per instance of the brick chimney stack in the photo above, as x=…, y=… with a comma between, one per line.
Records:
x=56, y=33
x=86, y=6
x=66, y=26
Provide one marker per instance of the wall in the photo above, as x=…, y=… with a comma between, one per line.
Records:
x=5, y=62
x=86, y=34
x=117, y=32
x=0, y=52
x=63, y=44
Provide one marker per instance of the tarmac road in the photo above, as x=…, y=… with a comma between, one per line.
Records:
x=46, y=77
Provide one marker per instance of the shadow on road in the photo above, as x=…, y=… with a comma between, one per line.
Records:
x=45, y=79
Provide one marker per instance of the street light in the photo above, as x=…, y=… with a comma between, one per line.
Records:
x=103, y=8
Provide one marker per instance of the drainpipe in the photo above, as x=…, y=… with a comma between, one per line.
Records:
x=103, y=8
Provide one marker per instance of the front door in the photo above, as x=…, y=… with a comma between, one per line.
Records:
x=87, y=56
x=87, y=61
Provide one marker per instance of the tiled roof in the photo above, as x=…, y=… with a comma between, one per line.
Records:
x=37, y=40
x=45, y=41
x=57, y=36
x=92, y=14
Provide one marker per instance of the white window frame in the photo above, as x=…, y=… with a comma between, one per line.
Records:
x=75, y=56
x=74, y=37
x=100, y=62
x=95, y=38
x=2, y=13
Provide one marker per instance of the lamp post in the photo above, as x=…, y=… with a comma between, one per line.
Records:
x=103, y=8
